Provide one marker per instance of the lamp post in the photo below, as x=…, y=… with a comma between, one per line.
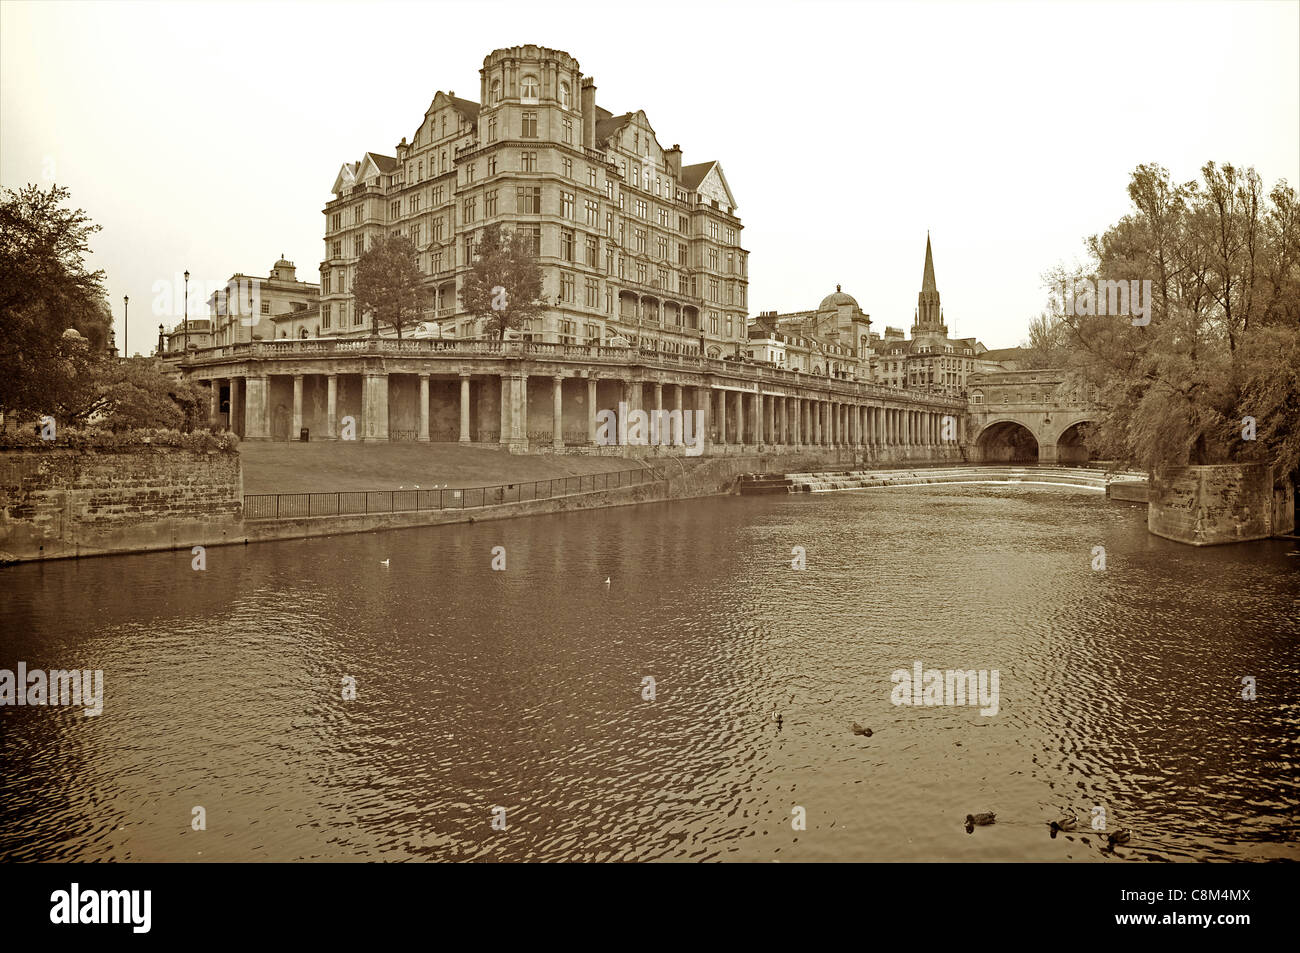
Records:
x=126, y=326
x=186, y=351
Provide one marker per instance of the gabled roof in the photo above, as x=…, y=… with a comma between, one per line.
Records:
x=384, y=164
x=693, y=175
x=608, y=124
x=466, y=107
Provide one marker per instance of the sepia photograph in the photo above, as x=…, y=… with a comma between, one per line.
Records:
x=489, y=432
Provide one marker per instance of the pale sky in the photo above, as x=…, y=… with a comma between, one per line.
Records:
x=206, y=136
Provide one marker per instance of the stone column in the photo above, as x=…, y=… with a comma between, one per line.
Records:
x=424, y=407
x=374, y=407
x=702, y=417
x=659, y=395
x=332, y=406
x=722, y=417
x=295, y=426
x=740, y=418
x=760, y=418
x=236, y=414
x=257, y=420
x=214, y=401
x=507, y=407
x=817, y=423
x=591, y=411
x=557, y=412
x=464, y=408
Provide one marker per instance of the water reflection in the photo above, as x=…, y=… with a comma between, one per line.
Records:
x=522, y=689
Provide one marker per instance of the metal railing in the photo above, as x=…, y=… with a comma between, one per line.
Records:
x=270, y=506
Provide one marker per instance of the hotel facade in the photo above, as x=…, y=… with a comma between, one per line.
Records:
x=632, y=244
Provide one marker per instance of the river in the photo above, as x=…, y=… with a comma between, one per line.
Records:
x=1119, y=689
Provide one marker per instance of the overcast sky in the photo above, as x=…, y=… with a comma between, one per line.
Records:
x=206, y=136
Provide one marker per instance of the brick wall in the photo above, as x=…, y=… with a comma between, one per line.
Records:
x=62, y=502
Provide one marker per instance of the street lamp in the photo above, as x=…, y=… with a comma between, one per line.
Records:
x=126, y=325
x=186, y=351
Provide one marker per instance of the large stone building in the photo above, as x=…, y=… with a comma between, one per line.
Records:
x=632, y=243
x=264, y=309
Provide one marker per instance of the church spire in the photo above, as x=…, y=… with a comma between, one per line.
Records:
x=927, y=279
x=929, y=316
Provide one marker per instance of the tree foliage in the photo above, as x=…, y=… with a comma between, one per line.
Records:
x=504, y=283
x=1222, y=346
x=46, y=288
x=389, y=285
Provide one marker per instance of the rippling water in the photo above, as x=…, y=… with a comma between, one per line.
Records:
x=522, y=689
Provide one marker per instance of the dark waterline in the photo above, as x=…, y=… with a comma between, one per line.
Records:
x=522, y=689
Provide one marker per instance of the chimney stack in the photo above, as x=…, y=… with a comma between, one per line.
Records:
x=673, y=157
x=589, y=112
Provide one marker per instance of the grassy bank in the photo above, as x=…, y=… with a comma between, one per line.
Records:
x=345, y=465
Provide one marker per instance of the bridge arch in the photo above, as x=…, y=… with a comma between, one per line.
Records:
x=1070, y=440
x=1006, y=440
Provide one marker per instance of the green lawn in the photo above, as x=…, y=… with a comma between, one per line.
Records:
x=345, y=465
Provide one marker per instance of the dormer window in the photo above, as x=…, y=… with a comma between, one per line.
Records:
x=529, y=90
x=564, y=95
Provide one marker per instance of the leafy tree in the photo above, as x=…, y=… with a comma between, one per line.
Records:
x=389, y=285
x=1223, y=339
x=504, y=284
x=45, y=288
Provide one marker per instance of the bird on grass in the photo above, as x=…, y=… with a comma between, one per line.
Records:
x=1121, y=836
x=980, y=820
x=859, y=730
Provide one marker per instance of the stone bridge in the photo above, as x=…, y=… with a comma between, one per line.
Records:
x=1027, y=416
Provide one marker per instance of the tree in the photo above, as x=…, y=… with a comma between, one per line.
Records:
x=389, y=285
x=1046, y=345
x=45, y=288
x=1218, y=356
x=504, y=284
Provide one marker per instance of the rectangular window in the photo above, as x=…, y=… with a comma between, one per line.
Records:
x=566, y=166
x=640, y=272
x=492, y=129
x=591, y=176
x=437, y=229
x=713, y=322
x=415, y=202
x=609, y=190
x=469, y=210
x=713, y=289
x=490, y=203
x=713, y=259
x=609, y=261
x=609, y=300
x=437, y=195
x=436, y=260
x=566, y=288
x=683, y=285
x=415, y=235
x=336, y=222
x=534, y=235
x=356, y=215
x=593, y=294
x=642, y=208
x=356, y=315
x=528, y=161
x=325, y=283
x=566, y=244
x=681, y=254
x=337, y=249
x=566, y=205
x=528, y=199
x=469, y=249
x=593, y=252
x=663, y=218
x=469, y=172
x=663, y=247
x=663, y=279
x=492, y=165
x=683, y=224
x=325, y=311
x=640, y=239
x=713, y=230
x=358, y=245
x=593, y=212
x=609, y=224
x=730, y=331
x=568, y=130
x=529, y=125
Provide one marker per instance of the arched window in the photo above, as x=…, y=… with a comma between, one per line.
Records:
x=496, y=92
x=564, y=95
x=529, y=90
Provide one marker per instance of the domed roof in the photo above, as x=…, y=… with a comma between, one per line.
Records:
x=831, y=302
